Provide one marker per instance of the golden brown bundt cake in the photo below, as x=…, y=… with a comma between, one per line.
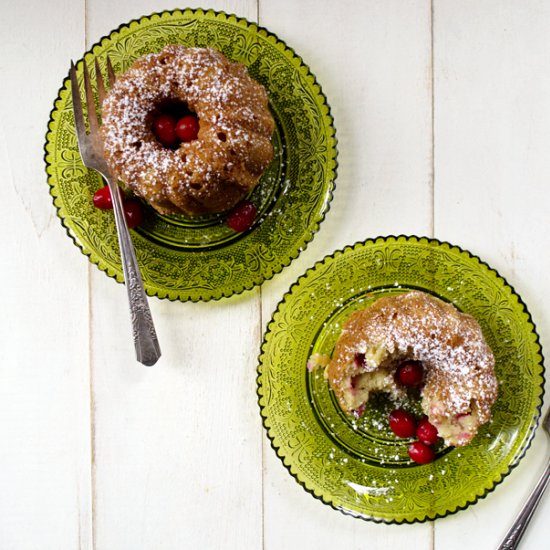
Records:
x=208, y=174
x=459, y=385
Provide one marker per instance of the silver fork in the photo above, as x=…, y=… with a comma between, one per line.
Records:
x=91, y=151
x=514, y=534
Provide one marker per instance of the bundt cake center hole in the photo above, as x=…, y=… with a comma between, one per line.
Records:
x=173, y=107
x=173, y=122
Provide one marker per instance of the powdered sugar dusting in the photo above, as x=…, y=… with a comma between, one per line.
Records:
x=233, y=147
x=459, y=365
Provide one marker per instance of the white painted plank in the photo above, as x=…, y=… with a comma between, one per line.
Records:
x=372, y=60
x=102, y=17
x=44, y=385
x=177, y=446
x=492, y=131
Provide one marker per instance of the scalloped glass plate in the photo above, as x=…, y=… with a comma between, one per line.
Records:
x=201, y=258
x=357, y=466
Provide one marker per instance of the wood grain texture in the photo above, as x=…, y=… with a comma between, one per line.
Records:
x=44, y=375
x=178, y=447
x=492, y=131
x=373, y=61
x=101, y=453
x=378, y=84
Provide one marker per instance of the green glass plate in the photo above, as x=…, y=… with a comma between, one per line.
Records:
x=195, y=259
x=356, y=465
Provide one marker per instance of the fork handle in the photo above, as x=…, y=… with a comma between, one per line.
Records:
x=513, y=536
x=145, y=336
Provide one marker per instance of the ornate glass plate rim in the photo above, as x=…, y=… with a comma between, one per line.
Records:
x=281, y=233
x=308, y=450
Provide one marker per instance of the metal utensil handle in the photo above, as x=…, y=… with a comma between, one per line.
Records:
x=145, y=336
x=513, y=536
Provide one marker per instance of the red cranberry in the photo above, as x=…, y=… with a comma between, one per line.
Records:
x=427, y=432
x=402, y=423
x=133, y=213
x=242, y=216
x=421, y=453
x=410, y=373
x=359, y=359
x=102, y=198
x=187, y=128
x=164, y=128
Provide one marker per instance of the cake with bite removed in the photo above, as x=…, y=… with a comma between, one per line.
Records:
x=457, y=383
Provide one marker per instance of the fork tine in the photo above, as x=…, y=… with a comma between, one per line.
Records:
x=77, y=109
x=100, y=82
x=90, y=102
x=110, y=72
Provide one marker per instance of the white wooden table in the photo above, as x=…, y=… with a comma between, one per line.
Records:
x=442, y=112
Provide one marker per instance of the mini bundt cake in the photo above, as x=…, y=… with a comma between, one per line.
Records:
x=210, y=173
x=459, y=385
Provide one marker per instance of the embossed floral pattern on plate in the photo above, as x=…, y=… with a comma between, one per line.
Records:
x=356, y=465
x=201, y=258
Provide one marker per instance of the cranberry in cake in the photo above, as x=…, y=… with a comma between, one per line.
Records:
x=414, y=339
x=187, y=130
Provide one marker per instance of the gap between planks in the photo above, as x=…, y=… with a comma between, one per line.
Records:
x=93, y=488
x=432, y=99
